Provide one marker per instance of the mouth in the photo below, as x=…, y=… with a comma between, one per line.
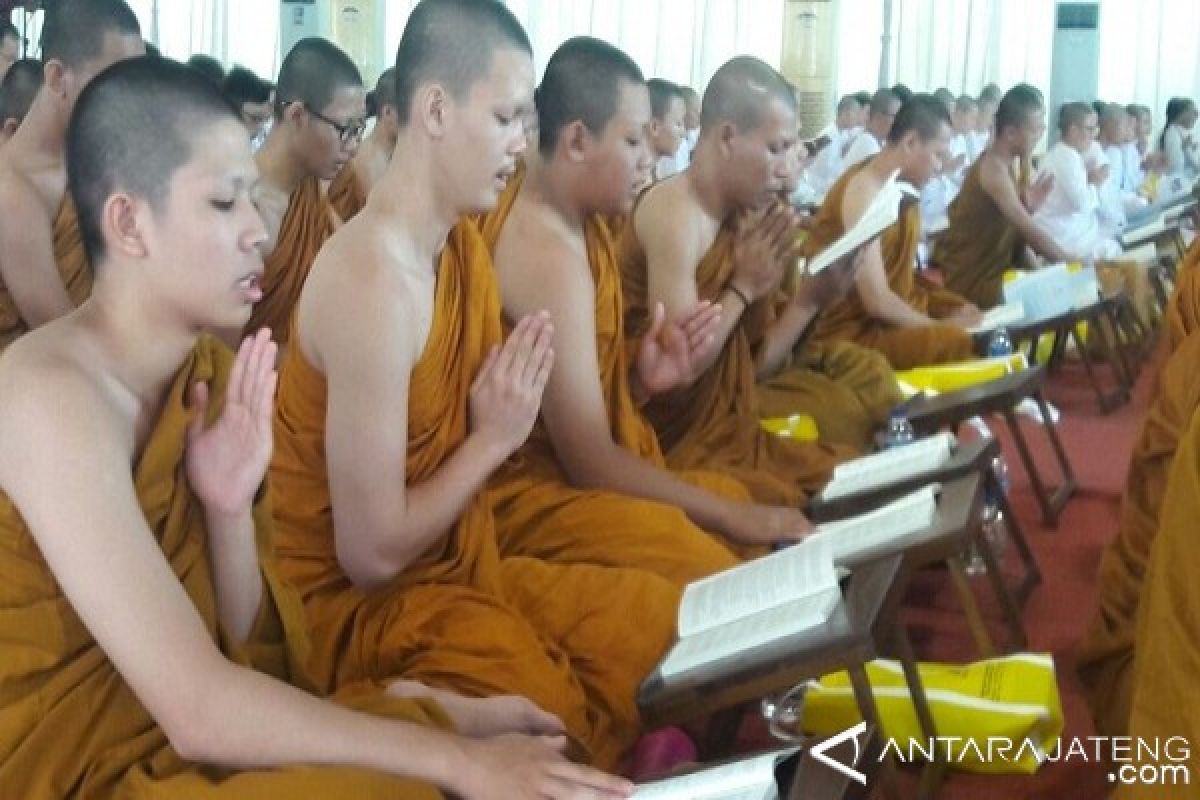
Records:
x=250, y=287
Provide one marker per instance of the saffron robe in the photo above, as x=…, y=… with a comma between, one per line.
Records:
x=576, y=640
x=346, y=193
x=1183, y=307
x=73, y=267
x=306, y=225
x=980, y=244
x=538, y=512
x=71, y=726
x=849, y=320
x=714, y=423
x=1105, y=657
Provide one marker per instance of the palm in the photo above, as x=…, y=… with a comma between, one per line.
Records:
x=670, y=351
x=227, y=460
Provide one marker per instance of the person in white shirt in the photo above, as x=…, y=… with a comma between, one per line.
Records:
x=884, y=107
x=941, y=190
x=666, y=130
x=1177, y=142
x=1069, y=213
x=985, y=116
x=827, y=167
x=691, y=126
x=1118, y=195
x=1136, y=149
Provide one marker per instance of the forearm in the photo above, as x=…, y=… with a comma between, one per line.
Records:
x=733, y=306
x=248, y=720
x=890, y=308
x=237, y=576
x=781, y=338
x=613, y=468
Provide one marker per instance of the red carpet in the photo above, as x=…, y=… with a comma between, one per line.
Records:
x=1059, y=610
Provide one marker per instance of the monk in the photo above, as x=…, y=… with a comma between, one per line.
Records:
x=348, y=191
x=991, y=220
x=319, y=121
x=252, y=96
x=591, y=484
x=703, y=236
x=20, y=85
x=667, y=131
x=1106, y=655
x=1183, y=307
x=160, y=655
x=1165, y=644
x=43, y=273
x=400, y=397
x=888, y=309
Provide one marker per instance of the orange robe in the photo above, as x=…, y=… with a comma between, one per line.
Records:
x=1167, y=648
x=849, y=319
x=69, y=724
x=1183, y=307
x=462, y=617
x=346, y=193
x=306, y=225
x=980, y=244
x=714, y=423
x=1105, y=657
x=538, y=512
x=73, y=267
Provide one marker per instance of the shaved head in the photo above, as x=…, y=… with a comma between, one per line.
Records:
x=924, y=115
x=740, y=93
x=434, y=48
x=662, y=92
x=313, y=72
x=849, y=102
x=132, y=128
x=1017, y=105
x=74, y=30
x=384, y=93
x=1072, y=114
x=582, y=82
x=965, y=103
x=19, y=87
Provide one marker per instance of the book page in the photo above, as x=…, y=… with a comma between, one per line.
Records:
x=889, y=466
x=789, y=574
x=886, y=529
x=747, y=633
x=749, y=779
x=1152, y=227
x=881, y=214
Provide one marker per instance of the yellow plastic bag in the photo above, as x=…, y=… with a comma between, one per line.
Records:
x=976, y=709
x=963, y=374
x=801, y=427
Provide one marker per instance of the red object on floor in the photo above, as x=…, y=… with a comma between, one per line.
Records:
x=661, y=753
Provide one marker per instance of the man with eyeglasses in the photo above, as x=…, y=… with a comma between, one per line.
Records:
x=319, y=121
x=991, y=220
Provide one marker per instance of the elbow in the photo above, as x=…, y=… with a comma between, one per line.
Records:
x=593, y=471
x=192, y=719
x=368, y=563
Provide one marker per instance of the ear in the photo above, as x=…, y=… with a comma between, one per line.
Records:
x=10, y=127
x=655, y=126
x=54, y=78
x=122, y=220
x=726, y=133
x=573, y=141
x=431, y=103
x=294, y=113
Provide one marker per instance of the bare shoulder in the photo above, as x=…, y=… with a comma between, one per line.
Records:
x=669, y=216
x=364, y=290
x=64, y=404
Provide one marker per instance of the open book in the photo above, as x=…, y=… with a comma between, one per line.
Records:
x=887, y=529
x=889, y=466
x=999, y=317
x=1149, y=229
x=751, y=778
x=753, y=605
x=880, y=215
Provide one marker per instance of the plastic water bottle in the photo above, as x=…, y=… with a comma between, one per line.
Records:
x=1000, y=344
x=996, y=535
x=899, y=430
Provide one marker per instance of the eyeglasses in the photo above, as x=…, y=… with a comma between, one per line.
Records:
x=348, y=132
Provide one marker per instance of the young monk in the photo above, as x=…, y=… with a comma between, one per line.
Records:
x=152, y=656
x=887, y=310
x=667, y=112
x=694, y=237
x=319, y=120
x=1106, y=655
x=991, y=220
x=252, y=96
x=348, y=191
x=18, y=88
x=43, y=271
x=399, y=398
x=591, y=485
